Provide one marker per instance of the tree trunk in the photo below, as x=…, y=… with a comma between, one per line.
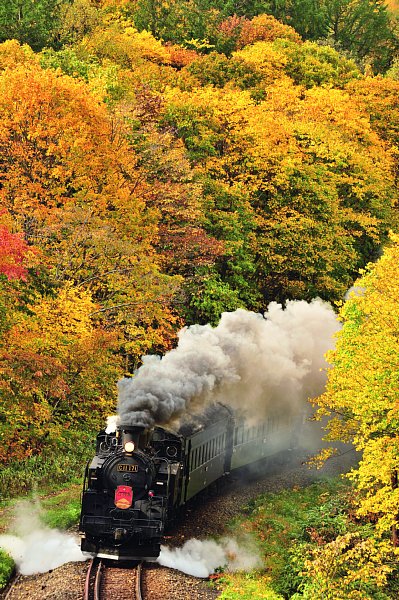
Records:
x=394, y=529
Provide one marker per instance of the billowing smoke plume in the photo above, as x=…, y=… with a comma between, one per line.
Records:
x=249, y=361
x=201, y=558
x=36, y=548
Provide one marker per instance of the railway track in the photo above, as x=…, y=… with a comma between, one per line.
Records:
x=104, y=582
x=10, y=589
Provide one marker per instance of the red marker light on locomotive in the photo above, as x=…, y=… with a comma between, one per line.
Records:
x=123, y=496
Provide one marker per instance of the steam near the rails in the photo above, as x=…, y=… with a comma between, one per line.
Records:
x=249, y=361
x=201, y=558
x=36, y=548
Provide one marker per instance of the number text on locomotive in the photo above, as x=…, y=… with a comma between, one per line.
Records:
x=125, y=468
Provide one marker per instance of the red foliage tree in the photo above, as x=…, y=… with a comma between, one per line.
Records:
x=13, y=249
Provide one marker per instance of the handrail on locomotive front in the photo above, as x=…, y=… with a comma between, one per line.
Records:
x=168, y=466
x=85, y=480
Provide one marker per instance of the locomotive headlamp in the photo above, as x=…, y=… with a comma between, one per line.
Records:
x=129, y=446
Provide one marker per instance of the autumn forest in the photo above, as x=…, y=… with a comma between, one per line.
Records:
x=163, y=162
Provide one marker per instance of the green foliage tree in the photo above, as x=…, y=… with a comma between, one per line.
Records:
x=77, y=20
x=176, y=22
x=310, y=64
x=362, y=27
x=218, y=70
x=307, y=17
x=231, y=218
x=32, y=23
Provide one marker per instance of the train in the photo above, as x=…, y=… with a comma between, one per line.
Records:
x=139, y=479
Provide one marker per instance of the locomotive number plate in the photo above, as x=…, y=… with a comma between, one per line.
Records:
x=127, y=468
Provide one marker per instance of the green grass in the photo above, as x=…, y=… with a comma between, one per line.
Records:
x=62, y=510
x=283, y=521
x=288, y=527
x=49, y=470
x=6, y=569
x=59, y=510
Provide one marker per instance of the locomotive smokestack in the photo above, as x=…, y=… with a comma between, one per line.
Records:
x=133, y=434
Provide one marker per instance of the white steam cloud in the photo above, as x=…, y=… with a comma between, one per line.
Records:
x=249, y=361
x=36, y=548
x=201, y=558
x=112, y=423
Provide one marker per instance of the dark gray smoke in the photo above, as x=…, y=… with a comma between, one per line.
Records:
x=249, y=361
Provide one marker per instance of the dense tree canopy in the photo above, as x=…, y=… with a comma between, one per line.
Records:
x=295, y=158
x=72, y=186
x=364, y=28
x=71, y=200
x=161, y=165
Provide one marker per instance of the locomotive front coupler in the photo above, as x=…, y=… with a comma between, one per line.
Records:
x=120, y=534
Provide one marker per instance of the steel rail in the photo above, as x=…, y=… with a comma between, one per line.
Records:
x=93, y=580
x=138, y=588
x=12, y=585
x=97, y=581
x=87, y=582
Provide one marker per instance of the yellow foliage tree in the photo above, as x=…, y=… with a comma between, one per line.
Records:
x=268, y=59
x=57, y=367
x=13, y=54
x=362, y=390
x=348, y=568
x=126, y=46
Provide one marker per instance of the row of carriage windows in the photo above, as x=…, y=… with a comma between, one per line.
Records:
x=242, y=435
x=207, y=451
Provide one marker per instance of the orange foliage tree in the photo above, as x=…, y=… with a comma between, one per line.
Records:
x=95, y=298
x=265, y=28
x=72, y=185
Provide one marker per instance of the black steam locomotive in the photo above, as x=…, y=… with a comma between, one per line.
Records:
x=138, y=479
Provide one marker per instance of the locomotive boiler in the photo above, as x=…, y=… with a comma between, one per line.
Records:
x=138, y=479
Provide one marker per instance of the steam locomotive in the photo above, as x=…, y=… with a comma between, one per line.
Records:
x=138, y=479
